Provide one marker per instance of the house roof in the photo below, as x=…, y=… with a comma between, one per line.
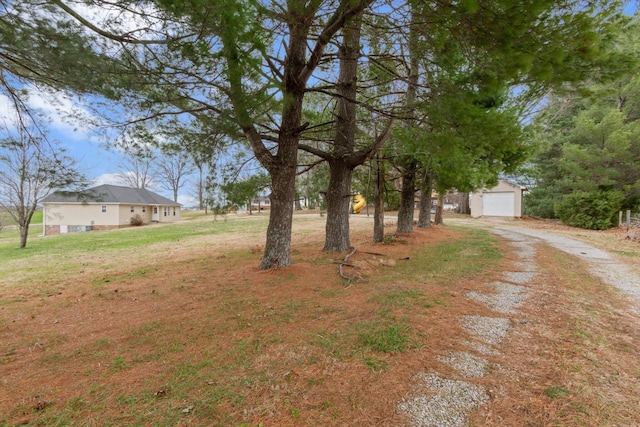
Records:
x=513, y=183
x=110, y=194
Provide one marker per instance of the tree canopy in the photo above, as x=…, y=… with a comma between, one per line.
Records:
x=247, y=68
x=590, y=144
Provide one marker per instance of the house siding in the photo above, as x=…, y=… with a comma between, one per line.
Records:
x=81, y=214
x=83, y=211
x=125, y=214
x=170, y=215
x=61, y=216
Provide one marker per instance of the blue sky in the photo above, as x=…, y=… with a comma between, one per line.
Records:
x=75, y=136
x=67, y=121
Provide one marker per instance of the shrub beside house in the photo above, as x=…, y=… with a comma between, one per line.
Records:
x=105, y=207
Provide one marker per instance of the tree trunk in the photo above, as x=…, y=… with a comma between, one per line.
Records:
x=282, y=168
x=338, y=198
x=201, y=204
x=282, y=165
x=340, y=170
x=407, y=199
x=25, y=214
x=24, y=233
x=439, y=209
x=277, y=252
x=464, y=207
x=424, y=217
x=378, y=214
x=297, y=69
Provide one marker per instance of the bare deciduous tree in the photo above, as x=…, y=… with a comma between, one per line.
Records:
x=30, y=169
x=172, y=170
x=137, y=169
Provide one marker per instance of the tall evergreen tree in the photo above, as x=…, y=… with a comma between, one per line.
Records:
x=250, y=64
x=589, y=144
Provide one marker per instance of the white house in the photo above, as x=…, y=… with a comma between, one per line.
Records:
x=503, y=200
x=104, y=207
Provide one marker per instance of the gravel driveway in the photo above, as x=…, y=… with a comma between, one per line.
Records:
x=439, y=401
x=600, y=263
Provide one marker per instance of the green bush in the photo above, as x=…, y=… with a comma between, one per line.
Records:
x=591, y=210
x=540, y=202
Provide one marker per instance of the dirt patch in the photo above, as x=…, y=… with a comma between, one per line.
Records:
x=203, y=337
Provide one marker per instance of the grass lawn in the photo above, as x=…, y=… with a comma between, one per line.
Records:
x=176, y=325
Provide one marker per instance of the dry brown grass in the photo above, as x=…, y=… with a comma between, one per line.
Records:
x=200, y=336
x=573, y=359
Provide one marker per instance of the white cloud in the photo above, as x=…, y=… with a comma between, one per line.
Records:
x=7, y=112
x=187, y=201
x=64, y=114
x=108, y=178
x=136, y=20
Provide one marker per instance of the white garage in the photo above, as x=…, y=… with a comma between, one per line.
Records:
x=503, y=200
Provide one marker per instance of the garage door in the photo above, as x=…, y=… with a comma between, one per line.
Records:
x=498, y=204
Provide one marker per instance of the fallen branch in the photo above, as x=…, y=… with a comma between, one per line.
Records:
x=345, y=262
x=373, y=253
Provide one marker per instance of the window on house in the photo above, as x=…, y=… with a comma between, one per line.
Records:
x=104, y=208
x=174, y=211
x=132, y=209
x=155, y=209
x=144, y=209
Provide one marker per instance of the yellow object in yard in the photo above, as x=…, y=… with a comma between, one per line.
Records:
x=359, y=202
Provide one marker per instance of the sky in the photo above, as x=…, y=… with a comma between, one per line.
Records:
x=98, y=159
x=99, y=162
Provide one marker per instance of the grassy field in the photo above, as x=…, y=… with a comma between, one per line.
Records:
x=129, y=238
x=48, y=260
x=7, y=220
x=9, y=230
x=175, y=325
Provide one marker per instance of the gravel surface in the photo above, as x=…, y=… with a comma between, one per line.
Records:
x=600, y=263
x=467, y=364
x=480, y=348
x=491, y=330
x=518, y=276
x=446, y=402
x=447, y=405
x=506, y=298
